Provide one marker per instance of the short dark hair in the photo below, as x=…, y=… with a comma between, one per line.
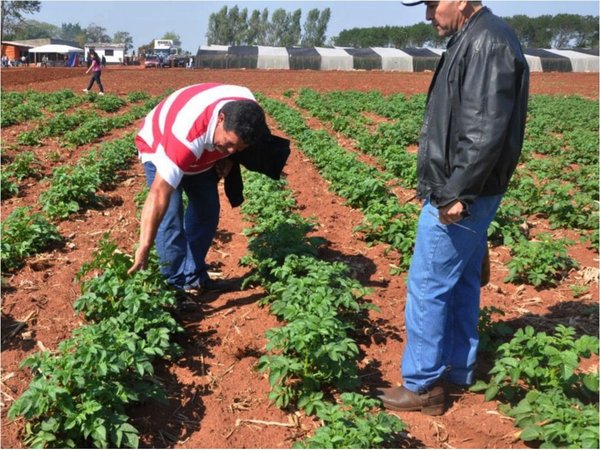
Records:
x=246, y=119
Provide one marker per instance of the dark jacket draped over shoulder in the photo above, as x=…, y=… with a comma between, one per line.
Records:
x=267, y=157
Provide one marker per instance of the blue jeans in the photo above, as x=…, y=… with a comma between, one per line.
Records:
x=185, y=234
x=442, y=306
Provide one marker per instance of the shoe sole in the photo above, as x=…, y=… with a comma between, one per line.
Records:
x=434, y=410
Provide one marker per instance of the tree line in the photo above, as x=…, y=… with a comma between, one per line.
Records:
x=235, y=26
x=559, y=31
x=232, y=26
x=16, y=27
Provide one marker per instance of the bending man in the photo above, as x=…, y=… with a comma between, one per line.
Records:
x=184, y=143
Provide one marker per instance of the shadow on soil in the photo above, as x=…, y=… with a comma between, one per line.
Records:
x=170, y=424
x=11, y=330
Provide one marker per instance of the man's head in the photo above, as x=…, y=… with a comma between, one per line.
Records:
x=447, y=16
x=241, y=123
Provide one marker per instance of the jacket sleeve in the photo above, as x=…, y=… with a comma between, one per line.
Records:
x=482, y=109
x=268, y=157
x=234, y=185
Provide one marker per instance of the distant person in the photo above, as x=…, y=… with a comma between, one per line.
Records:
x=96, y=72
x=23, y=60
x=103, y=61
x=190, y=64
x=469, y=147
x=45, y=61
x=4, y=61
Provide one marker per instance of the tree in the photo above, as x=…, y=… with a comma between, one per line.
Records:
x=294, y=32
x=172, y=36
x=278, y=27
x=32, y=29
x=421, y=34
x=315, y=27
x=237, y=25
x=123, y=37
x=255, y=35
x=73, y=32
x=264, y=27
x=96, y=33
x=565, y=28
x=588, y=36
x=218, y=27
x=12, y=13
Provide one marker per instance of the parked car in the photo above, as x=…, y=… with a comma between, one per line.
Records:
x=177, y=61
x=151, y=61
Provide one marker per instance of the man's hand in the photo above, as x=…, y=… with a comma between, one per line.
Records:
x=154, y=210
x=141, y=260
x=452, y=212
x=223, y=166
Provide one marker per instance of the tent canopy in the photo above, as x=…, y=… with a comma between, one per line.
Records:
x=55, y=48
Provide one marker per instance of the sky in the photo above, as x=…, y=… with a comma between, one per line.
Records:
x=151, y=19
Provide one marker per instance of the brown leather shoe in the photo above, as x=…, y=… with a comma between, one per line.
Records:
x=432, y=402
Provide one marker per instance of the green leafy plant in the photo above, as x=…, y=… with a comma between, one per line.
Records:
x=25, y=234
x=491, y=334
x=541, y=262
x=353, y=424
x=539, y=361
x=109, y=103
x=555, y=420
x=80, y=393
x=550, y=397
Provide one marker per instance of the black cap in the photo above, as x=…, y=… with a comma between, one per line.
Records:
x=412, y=2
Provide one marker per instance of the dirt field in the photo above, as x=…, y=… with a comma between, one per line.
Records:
x=214, y=385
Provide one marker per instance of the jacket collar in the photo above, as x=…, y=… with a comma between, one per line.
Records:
x=468, y=24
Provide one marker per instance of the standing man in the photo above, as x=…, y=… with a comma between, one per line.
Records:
x=184, y=143
x=469, y=147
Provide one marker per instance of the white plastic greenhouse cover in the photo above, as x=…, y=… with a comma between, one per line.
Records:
x=534, y=62
x=579, y=61
x=438, y=51
x=394, y=59
x=335, y=59
x=273, y=58
x=217, y=48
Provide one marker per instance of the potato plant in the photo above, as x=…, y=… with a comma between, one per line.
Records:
x=79, y=394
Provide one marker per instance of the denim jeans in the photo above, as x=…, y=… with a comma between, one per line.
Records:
x=442, y=306
x=185, y=234
x=96, y=78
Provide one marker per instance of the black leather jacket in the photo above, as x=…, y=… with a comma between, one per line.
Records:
x=475, y=116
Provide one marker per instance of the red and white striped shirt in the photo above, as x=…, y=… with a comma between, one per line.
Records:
x=177, y=135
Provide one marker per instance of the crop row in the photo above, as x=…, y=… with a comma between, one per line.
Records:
x=79, y=393
x=71, y=187
x=363, y=187
x=540, y=262
x=314, y=355
x=537, y=375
